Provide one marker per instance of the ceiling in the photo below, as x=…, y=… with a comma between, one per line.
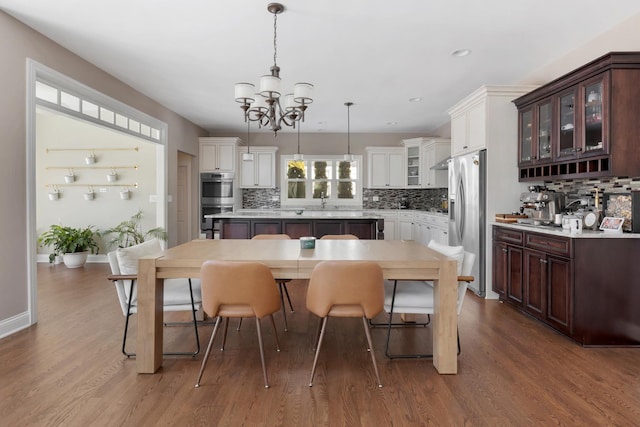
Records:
x=188, y=54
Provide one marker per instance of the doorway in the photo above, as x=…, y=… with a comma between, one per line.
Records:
x=48, y=89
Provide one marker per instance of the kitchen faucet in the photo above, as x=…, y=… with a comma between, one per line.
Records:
x=323, y=200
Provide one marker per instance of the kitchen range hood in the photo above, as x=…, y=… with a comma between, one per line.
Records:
x=442, y=165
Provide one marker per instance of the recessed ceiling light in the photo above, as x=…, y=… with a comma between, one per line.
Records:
x=461, y=52
x=416, y=99
x=392, y=123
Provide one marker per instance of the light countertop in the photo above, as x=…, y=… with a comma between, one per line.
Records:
x=292, y=214
x=558, y=231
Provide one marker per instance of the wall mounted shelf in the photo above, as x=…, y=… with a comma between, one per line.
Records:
x=92, y=167
x=134, y=185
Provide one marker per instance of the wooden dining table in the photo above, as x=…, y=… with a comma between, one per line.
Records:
x=399, y=260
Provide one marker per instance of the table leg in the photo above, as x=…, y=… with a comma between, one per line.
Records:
x=150, y=318
x=445, y=320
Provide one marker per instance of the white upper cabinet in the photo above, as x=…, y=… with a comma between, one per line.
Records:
x=421, y=155
x=218, y=154
x=484, y=118
x=385, y=167
x=468, y=126
x=259, y=172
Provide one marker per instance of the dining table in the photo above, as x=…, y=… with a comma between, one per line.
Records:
x=398, y=259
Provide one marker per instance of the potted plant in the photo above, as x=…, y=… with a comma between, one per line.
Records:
x=129, y=232
x=74, y=244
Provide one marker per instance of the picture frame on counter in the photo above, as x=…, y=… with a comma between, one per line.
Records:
x=612, y=224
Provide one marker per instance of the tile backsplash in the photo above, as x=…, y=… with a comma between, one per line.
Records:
x=387, y=199
x=584, y=188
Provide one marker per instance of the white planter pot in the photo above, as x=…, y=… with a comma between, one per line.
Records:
x=112, y=177
x=76, y=259
x=69, y=178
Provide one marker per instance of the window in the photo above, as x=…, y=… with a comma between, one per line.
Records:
x=310, y=181
x=58, y=99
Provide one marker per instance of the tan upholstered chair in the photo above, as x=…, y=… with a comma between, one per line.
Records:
x=238, y=289
x=339, y=237
x=345, y=289
x=282, y=283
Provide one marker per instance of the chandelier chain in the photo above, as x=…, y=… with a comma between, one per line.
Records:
x=275, y=33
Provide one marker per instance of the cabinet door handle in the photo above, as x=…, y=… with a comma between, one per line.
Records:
x=504, y=250
x=465, y=147
x=543, y=261
x=577, y=149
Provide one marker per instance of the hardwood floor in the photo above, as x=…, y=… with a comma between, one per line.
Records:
x=68, y=370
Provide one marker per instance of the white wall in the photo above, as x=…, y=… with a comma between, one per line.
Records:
x=107, y=209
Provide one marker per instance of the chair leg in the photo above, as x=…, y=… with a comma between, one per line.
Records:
x=284, y=309
x=195, y=319
x=126, y=322
x=275, y=332
x=124, y=338
x=315, y=359
x=286, y=292
x=224, y=336
x=239, y=324
x=206, y=354
x=264, y=367
x=370, y=349
x=316, y=338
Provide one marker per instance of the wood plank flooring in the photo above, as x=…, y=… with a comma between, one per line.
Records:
x=68, y=370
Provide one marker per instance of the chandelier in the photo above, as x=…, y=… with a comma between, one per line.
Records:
x=265, y=106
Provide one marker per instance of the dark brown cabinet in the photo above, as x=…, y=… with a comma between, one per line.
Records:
x=238, y=228
x=548, y=281
x=586, y=288
x=539, y=275
x=507, y=267
x=583, y=124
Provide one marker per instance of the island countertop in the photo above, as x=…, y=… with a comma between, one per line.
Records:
x=293, y=214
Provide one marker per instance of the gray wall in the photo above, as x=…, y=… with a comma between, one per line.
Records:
x=17, y=43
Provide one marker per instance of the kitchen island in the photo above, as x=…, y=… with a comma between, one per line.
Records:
x=585, y=285
x=245, y=224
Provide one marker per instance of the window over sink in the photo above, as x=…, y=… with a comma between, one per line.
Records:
x=321, y=181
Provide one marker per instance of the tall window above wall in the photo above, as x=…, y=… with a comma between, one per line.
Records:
x=313, y=180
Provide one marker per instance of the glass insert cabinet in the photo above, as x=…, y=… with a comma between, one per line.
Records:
x=564, y=126
x=583, y=124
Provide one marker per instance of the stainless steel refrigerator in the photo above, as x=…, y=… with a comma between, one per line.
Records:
x=467, y=210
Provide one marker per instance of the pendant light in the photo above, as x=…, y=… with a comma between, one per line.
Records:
x=298, y=155
x=248, y=156
x=348, y=157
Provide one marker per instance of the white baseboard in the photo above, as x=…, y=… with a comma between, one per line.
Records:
x=14, y=324
x=91, y=258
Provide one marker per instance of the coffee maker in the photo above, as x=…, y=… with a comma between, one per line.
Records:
x=541, y=203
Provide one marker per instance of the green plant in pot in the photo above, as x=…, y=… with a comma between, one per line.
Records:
x=129, y=232
x=74, y=244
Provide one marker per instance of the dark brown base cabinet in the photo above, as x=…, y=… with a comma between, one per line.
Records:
x=586, y=288
x=234, y=228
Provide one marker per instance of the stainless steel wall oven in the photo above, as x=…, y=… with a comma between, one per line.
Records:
x=216, y=196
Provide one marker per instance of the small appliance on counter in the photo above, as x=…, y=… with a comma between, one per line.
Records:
x=404, y=203
x=542, y=204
